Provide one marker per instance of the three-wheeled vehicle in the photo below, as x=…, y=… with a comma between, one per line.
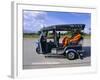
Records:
x=63, y=40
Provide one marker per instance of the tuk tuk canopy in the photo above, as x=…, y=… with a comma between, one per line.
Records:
x=65, y=27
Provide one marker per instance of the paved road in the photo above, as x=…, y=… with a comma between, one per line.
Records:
x=32, y=60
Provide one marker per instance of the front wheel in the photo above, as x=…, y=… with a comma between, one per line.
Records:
x=71, y=55
x=38, y=50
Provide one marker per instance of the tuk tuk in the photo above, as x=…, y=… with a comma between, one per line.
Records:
x=63, y=40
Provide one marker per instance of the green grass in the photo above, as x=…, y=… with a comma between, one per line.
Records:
x=37, y=36
x=86, y=36
x=30, y=36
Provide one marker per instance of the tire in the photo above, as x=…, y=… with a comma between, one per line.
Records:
x=71, y=55
x=38, y=50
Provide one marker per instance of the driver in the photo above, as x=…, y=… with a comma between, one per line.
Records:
x=43, y=41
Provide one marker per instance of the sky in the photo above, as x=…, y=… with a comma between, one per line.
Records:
x=34, y=20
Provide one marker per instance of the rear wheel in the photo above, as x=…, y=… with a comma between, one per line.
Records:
x=71, y=55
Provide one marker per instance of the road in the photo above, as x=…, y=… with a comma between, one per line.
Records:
x=32, y=60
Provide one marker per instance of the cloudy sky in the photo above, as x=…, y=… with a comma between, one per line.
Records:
x=35, y=20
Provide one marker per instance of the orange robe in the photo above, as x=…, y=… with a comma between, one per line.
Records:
x=67, y=40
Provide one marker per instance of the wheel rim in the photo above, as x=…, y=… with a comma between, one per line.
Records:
x=71, y=55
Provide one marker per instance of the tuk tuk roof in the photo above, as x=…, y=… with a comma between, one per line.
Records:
x=64, y=27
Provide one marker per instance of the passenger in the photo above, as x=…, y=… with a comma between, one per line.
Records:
x=75, y=39
x=65, y=41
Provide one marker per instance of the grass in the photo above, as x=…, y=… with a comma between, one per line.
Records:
x=87, y=37
x=37, y=36
x=30, y=36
